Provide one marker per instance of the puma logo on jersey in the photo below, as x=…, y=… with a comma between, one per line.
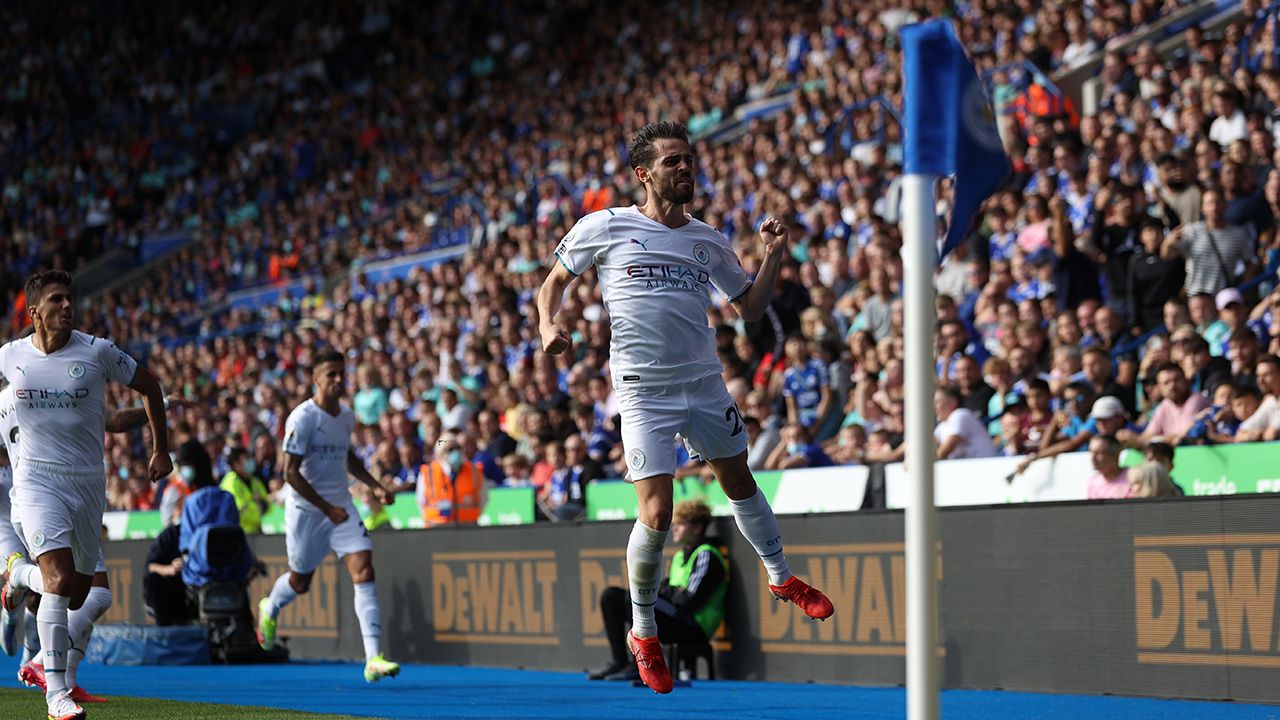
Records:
x=641, y=243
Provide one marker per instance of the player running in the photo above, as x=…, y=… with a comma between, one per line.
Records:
x=319, y=514
x=656, y=266
x=59, y=378
x=79, y=622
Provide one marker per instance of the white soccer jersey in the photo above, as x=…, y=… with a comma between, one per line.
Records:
x=59, y=399
x=657, y=288
x=8, y=438
x=322, y=440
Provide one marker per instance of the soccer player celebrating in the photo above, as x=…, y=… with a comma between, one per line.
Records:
x=656, y=265
x=59, y=378
x=80, y=621
x=319, y=514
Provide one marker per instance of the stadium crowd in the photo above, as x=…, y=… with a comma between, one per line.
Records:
x=1119, y=286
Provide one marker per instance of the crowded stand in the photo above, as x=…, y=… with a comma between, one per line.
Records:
x=1121, y=284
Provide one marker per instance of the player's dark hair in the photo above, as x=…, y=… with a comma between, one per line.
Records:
x=325, y=357
x=37, y=283
x=642, y=152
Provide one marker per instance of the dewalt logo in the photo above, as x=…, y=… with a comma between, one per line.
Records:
x=313, y=615
x=867, y=584
x=502, y=597
x=1207, y=599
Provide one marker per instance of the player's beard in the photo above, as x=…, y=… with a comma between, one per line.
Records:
x=676, y=193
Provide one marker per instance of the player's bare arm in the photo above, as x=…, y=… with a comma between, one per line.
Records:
x=145, y=383
x=293, y=476
x=361, y=473
x=774, y=235
x=555, y=339
x=130, y=419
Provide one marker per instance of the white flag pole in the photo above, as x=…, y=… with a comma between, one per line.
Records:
x=920, y=251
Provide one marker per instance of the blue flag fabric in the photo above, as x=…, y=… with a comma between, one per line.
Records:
x=948, y=122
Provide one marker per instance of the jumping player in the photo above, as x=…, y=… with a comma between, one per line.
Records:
x=656, y=266
x=319, y=514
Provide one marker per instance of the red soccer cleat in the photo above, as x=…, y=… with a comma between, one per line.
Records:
x=80, y=695
x=32, y=675
x=649, y=660
x=810, y=599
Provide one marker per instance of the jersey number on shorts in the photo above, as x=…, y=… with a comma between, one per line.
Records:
x=732, y=415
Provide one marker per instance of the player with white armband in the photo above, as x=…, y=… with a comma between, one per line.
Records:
x=657, y=265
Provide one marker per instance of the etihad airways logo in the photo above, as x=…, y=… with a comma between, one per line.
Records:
x=670, y=276
x=50, y=394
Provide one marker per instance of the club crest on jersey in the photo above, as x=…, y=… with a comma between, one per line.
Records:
x=636, y=459
x=76, y=371
x=701, y=253
x=37, y=539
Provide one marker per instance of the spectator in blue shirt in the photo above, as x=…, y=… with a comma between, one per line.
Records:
x=795, y=451
x=805, y=386
x=206, y=508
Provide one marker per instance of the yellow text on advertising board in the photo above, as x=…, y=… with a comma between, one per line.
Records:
x=505, y=598
x=313, y=615
x=1207, y=600
x=867, y=584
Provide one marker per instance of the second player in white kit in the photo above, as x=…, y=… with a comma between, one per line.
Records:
x=320, y=516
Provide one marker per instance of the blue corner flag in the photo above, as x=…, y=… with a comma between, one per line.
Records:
x=949, y=124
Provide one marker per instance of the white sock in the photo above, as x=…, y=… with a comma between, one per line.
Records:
x=370, y=617
x=281, y=595
x=27, y=575
x=758, y=525
x=80, y=628
x=644, y=553
x=52, y=621
x=30, y=637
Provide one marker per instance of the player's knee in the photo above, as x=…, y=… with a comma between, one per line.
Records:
x=656, y=513
x=301, y=584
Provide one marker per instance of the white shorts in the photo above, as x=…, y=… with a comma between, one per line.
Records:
x=702, y=412
x=10, y=543
x=56, y=507
x=310, y=535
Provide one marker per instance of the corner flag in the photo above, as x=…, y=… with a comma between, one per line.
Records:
x=949, y=124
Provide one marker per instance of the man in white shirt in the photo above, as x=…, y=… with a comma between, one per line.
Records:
x=1230, y=124
x=319, y=514
x=656, y=266
x=959, y=434
x=59, y=378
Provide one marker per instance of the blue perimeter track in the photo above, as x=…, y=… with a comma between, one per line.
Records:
x=445, y=692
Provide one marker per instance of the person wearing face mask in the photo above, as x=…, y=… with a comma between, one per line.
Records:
x=451, y=489
x=250, y=493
